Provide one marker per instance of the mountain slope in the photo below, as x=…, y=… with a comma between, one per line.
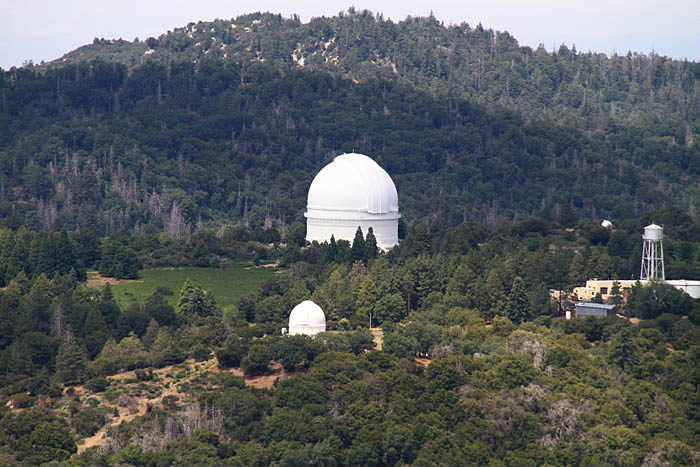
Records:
x=181, y=146
x=486, y=66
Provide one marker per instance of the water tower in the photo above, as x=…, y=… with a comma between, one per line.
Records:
x=652, y=254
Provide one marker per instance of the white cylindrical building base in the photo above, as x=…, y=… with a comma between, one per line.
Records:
x=385, y=229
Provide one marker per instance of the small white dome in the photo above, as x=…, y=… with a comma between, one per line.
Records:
x=307, y=318
x=353, y=182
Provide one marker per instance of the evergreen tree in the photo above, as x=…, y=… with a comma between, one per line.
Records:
x=108, y=306
x=371, y=245
x=194, y=301
x=186, y=294
x=94, y=331
x=36, y=307
x=624, y=350
x=540, y=301
x=463, y=283
x=108, y=360
x=366, y=298
x=359, y=250
x=495, y=294
x=577, y=270
x=151, y=334
x=330, y=252
x=64, y=252
x=71, y=363
x=517, y=305
x=165, y=350
x=567, y=216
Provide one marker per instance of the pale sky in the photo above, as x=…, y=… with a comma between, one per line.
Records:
x=45, y=30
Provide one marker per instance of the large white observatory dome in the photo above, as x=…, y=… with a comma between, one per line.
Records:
x=307, y=318
x=352, y=191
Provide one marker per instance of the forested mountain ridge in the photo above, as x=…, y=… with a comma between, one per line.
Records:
x=486, y=66
x=180, y=146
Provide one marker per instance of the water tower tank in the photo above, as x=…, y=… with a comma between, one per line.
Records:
x=653, y=233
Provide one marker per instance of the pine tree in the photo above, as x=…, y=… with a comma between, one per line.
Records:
x=462, y=282
x=165, y=350
x=71, y=363
x=517, y=305
x=330, y=252
x=624, y=350
x=616, y=296
x=108, y=361
x=194, y=301
x=359, y=250
x=577, y=270
x=366, y=297
x=36, y=307
x=186, y=295
x=371, y=245
x=495, y=294
x=567, y=216
x=540, y=300
x=108, y=306
x=94, y=331
x=151, y=334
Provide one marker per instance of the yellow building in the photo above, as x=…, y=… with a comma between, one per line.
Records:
x=604, y=288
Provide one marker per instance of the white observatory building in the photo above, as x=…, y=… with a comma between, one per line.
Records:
x=352, y=191
x=307, y=318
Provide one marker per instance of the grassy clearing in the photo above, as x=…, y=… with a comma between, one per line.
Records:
x=227, y=285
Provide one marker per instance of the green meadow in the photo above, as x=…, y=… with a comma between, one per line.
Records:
x=227, y=285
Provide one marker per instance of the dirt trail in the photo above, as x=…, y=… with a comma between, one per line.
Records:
x=195, y=369
x=269, y=265
x=97, y=280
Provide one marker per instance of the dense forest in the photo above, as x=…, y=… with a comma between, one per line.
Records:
x=197, y=148
x=182, y=146
x=476, y=366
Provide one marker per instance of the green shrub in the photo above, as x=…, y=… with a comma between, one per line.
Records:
x=22, y=400
x=97, y=384
x=88, y=421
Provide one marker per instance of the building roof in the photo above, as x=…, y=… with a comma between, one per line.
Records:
x=307, y=314
x=602, y=306
x=354, y=183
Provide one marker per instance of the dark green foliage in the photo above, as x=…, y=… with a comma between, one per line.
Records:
x=371, y=244
x=295, y=352
x=50, y=441
x=214, y=163
x=257, y=362
x=194, y=301
x=358, y=251
x=97, y=384
x=233, y=351
x=89, y=420
x=399, y=345
x=71, y=364
x=360, y=341
x=133, y=319
x=518, y=307
x=118, y=261
x=653, y=300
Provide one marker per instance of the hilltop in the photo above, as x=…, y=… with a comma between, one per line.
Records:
x=458, y=61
